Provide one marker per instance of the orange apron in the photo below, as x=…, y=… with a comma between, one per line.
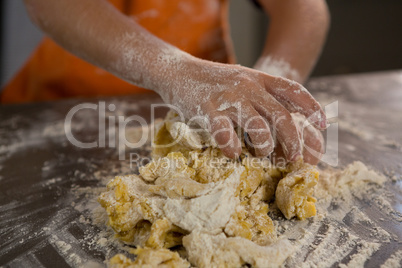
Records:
x=198, y=27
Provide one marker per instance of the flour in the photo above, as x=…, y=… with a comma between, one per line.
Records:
x=226, y=105
x=184, y=135
x=350, y=147
x=210, y=212
x=330, y=241
x=229, y=252
x=356, y=130
x=63, y=246
x=394, y=261
x=360, y=257
x=67, y=251
x=277, y=67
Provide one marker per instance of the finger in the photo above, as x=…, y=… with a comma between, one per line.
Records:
x=312, y=139
x=283, y=125
x=294, y=97
x=223, y=132
x=313, y=145
x=313, y=148
x=278, y=158
x=258, y=138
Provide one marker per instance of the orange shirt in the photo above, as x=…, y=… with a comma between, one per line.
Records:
x=198, y=27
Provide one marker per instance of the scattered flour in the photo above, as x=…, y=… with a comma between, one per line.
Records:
x=394, y=261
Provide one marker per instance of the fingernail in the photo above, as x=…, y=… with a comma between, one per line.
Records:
x=323, y=124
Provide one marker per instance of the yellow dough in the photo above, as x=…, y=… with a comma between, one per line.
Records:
x=206, y=250
x=295, y=190
x=149, y=258
x=216, y=207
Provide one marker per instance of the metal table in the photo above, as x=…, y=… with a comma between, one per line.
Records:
x=47, y=184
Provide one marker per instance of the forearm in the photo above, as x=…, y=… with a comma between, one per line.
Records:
x=296, y=35
x=95, y=31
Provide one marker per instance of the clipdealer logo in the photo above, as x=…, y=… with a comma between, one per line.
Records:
x=112, y=130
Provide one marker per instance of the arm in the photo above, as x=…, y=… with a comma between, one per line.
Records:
x=295, y=38
x=98, y=33
x=226, y=95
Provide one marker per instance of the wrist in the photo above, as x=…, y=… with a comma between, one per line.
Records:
x=142, y=59
x=172, y=70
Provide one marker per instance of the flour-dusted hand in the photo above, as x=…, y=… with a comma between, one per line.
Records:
x=230, y=95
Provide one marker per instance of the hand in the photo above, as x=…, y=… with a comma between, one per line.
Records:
x=226, y=96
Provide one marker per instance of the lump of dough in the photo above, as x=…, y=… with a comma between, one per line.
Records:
x=164, y=234
x=294, y=192
x=177, y=187
x=127, y=203
x=149, y=258
x=211, y=211
x=173, y=165
x=176, y=136
x=133, y=211
x=211, y=165
x=173, y=178
x=252, y=222
x=206, y=250
x=250, y=219
x=163, y=143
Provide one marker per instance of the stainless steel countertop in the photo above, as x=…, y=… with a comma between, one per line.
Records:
x=40, y=170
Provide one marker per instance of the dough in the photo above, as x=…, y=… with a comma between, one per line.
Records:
x=295, y=190
x=149, y=258
x=207, y=250
x=192, y=195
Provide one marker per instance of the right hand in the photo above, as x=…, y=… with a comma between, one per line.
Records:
x=232, y=95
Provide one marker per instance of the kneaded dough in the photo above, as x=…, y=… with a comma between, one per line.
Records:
x=216, y=207
x=206, y=250
x=294, y=193
x=149, y=258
